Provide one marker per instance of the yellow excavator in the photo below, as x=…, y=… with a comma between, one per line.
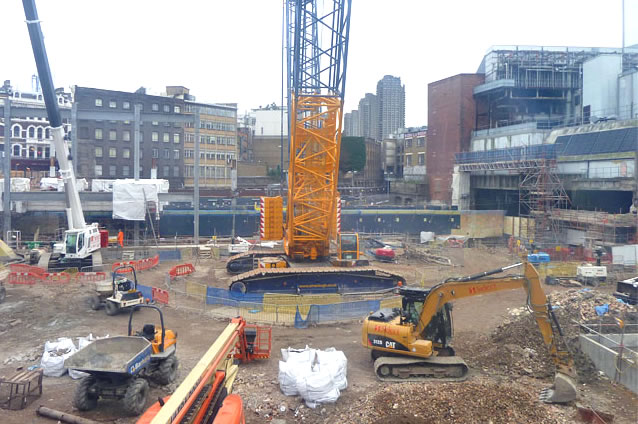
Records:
x=412, y=343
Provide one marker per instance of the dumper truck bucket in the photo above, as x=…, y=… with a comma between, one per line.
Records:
x=563, y=390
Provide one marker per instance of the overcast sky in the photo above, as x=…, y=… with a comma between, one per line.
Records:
x=230, y=50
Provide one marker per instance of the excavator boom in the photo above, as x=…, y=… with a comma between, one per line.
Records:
x=413, y=343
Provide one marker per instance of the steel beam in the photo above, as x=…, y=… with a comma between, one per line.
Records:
x=7, y=169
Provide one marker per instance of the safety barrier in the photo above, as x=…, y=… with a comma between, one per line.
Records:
x=56, y=278
x=181, y=270
x=90, y=277
x=159, y=295
x=26, y=268
x=23, y=278
x=139, y=265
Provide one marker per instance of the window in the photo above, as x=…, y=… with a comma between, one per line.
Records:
x=31, y=132
x=155, y=123
x=98, y=170
x=126, y=135
x=141, y=154
x=112, y=170
x=112, y=104
x=155, y=136
x=177, y=109
x=125, y=170
x=176, y=138
x=167, y=170
x=420, y=142
x=112, y=135
x=40, y=133
x=421, y=158
x=98, y=102
x=141, y=136
x=188, y=153
x=112, y=152
x=167, y=108
x=126, y=105
x=408, y=143
x=176, y=171
x=166, y=137
x=155, y=107
x=16, y=130
x=167, y=154
x=408, y=160
x=98, y=133
x=98, y=152
x=155, y=153
x=190, y=137
x=84, y=132
x=126, y=153
x=175, y=154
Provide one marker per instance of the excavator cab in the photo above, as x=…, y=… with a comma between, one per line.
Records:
x=439, y=329
x=348, y=246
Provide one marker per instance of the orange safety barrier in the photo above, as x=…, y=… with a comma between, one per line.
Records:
x=141, y=265
x=56, y=278
x=89, y=277
x=129, y=264
x=26, y=268
x=23, y=278
x=181, y=270
x=160, y=296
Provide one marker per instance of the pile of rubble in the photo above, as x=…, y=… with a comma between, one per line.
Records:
x=474, y=401
x=426, y=255
x=516, y=347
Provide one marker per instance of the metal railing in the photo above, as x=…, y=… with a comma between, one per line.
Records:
x=512, y=154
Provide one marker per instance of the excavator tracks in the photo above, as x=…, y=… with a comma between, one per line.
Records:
x=315, y=279
x=405, y=369
x=244, y=261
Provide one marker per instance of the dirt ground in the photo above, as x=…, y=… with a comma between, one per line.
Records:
x=32, y=315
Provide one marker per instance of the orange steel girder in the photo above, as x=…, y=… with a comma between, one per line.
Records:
x=315, y=143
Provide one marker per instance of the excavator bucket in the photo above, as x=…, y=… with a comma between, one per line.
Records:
x=563, y=390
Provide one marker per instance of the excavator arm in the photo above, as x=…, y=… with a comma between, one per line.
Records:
x=537, y=303
x=412, y=343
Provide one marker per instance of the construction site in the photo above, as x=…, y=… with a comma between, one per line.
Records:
x=510, y=295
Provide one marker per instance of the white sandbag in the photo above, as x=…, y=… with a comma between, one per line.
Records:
x=335, y=362
x=296, y=355
x=317, y=388
x=55, y=353
x=289, y=372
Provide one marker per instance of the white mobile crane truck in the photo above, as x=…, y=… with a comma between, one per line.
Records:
x=81, y=246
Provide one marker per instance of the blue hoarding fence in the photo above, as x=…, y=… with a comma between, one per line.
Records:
x=333, y=312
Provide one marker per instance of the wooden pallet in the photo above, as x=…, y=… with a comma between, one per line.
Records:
x=18, y=391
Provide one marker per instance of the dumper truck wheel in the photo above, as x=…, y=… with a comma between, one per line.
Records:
x=82, y=399
x=95, y=302
x=111, y=308
x=136, y=396
x=3, y=294
x=167, y=371
x=238, y=287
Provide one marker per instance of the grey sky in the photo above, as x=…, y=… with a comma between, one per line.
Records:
x=230, y=51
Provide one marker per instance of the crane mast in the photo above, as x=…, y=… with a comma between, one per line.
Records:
x=317, y=52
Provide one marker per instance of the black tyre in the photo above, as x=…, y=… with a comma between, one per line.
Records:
x=238, y=287
x=3, y=294
x=82, y=399
x=167, y=371
x=111, y=308
x=95, y=302
x=136, y=396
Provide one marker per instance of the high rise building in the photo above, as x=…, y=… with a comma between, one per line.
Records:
x=369, y=117
x=391, y=105
x=351, y=123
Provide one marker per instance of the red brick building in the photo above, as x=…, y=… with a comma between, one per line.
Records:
x=451, y=119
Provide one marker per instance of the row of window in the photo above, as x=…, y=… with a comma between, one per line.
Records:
x=125, y=171
x=126, y=136
x=408, y=159
x=189, y=154
x=420, y=142
x=155, y=107
x=126, y=153
x=208, y=110
x=211, y=139
x=40, y=133
x=32, y=152
x=208, y=171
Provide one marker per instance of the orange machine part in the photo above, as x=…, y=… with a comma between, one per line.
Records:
x=231, y=412
x=150, y=413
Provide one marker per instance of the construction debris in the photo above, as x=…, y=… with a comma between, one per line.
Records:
x=475, y=401
x=426, y=255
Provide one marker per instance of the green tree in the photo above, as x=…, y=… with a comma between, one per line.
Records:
x=353, y=154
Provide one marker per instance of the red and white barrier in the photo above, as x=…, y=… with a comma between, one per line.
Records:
x=181, y=270
x=160, y=296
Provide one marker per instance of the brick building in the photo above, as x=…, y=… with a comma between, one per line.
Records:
x=105, y=147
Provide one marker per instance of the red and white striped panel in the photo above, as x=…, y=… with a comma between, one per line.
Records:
x=338, y=218
x=262, y=218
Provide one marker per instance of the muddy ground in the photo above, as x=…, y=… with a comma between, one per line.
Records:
x=32, y=315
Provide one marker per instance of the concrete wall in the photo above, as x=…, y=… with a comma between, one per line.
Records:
x=481, y=224
x=628, y=92
x=603, y=353
x=517, y=226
